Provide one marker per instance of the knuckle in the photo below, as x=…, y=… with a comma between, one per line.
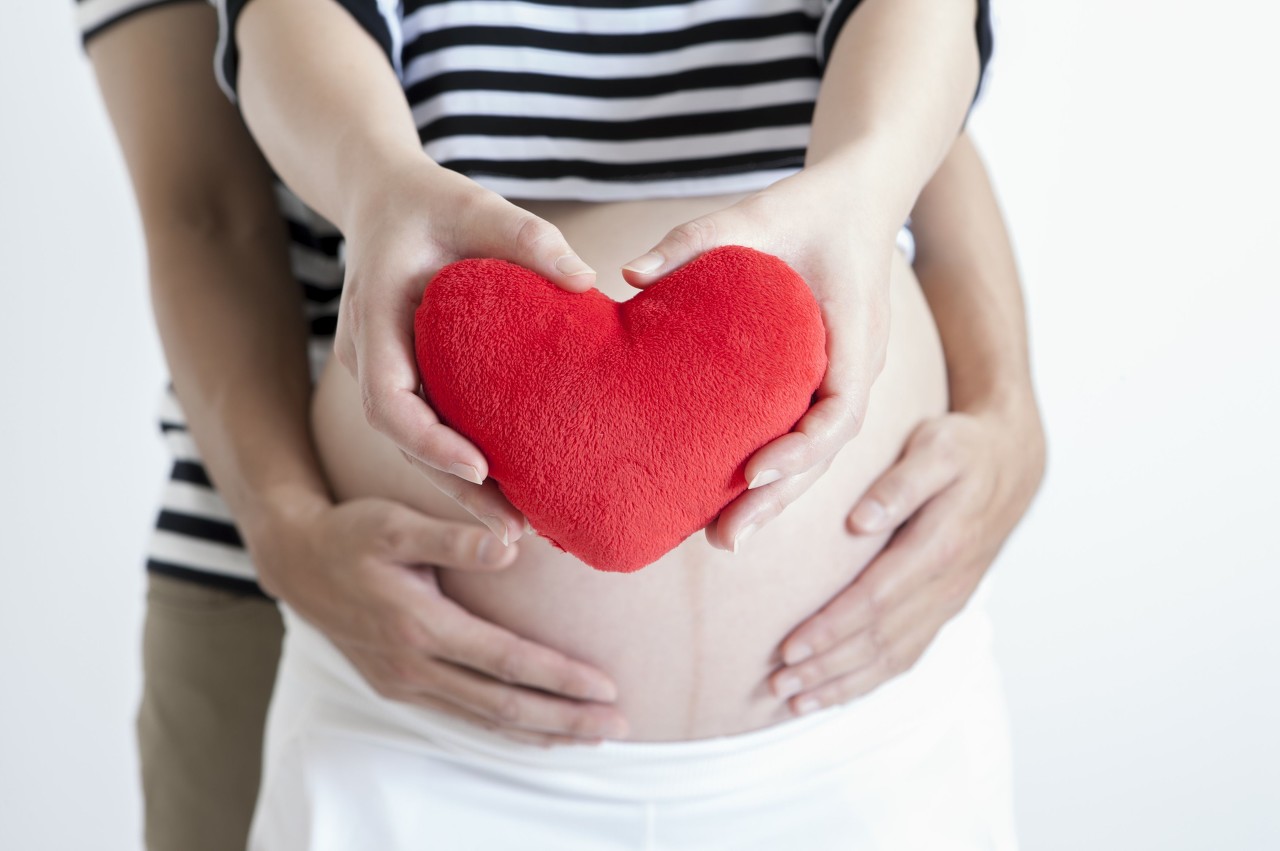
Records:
x=876, y=603
x=390, y=536
x=371, y=406
x=696, y=234
x=879, y=642
x=451, y=543
x=582, y=724
x=531, y=231
x=510, y=708
x=384, y=688
x=403, y=630
x=507, y=663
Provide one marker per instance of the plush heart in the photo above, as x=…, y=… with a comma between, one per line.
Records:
x=621, y=428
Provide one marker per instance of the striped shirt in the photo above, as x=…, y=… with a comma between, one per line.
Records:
x=536, y=99
x=606, y=99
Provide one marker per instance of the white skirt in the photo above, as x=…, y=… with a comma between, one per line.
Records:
x=923, y=762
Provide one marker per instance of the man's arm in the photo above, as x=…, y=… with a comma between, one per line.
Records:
x=229, y=314
x=232, y=325
x=964, y=479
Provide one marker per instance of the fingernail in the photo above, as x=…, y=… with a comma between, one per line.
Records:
x=765, y=477
x=646, y=264
x=807, y=704
x=498, y=528
x=571, y=264
x=870, y=515
x=528, y=527
x=742, y=535
x=797, y=653
x=788, y=686
x=466, y=471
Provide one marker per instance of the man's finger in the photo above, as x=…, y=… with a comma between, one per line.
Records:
x=503, y=655
x=514, y=706
x=911, y=559
x=421, y=538
x=373, y=667
x=919, y=474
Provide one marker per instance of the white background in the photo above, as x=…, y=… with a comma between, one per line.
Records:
x=1134, y=146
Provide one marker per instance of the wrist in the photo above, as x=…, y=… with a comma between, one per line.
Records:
x=374, y=175
x=861, y=182
x=1012, y=407
x=278, y=510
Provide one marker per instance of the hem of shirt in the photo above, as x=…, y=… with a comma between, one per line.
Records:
x=202, y=577
x=87, y=33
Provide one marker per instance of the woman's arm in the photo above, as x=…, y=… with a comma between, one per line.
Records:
x=322, y=98
x=230, y=317
x=900, y=77
x=964, y=479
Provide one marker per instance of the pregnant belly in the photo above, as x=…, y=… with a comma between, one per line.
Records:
x=690, y=639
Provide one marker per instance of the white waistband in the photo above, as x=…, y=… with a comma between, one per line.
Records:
x=909, y=711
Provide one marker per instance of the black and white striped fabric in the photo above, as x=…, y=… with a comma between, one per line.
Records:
x=626, y=100
x=606, y=99
x=195, y=536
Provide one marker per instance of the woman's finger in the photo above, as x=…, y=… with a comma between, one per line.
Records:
x=389, y=380
x=815, y=438
x=681, y=245
x=752, y=509
x=485, y=501
x=522, y=238
x=927, y=466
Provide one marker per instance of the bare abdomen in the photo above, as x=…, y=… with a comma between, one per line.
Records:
x=689, y=639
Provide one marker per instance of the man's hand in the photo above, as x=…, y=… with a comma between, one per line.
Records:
x=363, y=573
x=845, y=256
x=421, y=219
x=961, y=485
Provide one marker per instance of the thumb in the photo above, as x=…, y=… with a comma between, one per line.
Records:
x=540, y=246
x=682, y=244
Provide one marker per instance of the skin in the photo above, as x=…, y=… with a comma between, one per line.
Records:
x=964, y=479
x=229, y=314
x=336, y=126
x=289, y=508
x=873, y=109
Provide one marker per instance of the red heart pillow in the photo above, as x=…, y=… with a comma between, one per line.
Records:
x=621, y=428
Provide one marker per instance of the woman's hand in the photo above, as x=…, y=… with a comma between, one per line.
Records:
x=409, y=223
x=363, y=572
x=960, y=486
x=843, y=251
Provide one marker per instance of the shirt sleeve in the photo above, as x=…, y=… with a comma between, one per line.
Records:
x=97, y=16
x=836, y=12
x=379, y=18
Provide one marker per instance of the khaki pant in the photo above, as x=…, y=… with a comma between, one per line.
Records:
x=209, y=664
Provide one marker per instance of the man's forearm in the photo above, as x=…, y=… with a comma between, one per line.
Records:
x=231, y=321
x=967, y=270
x=332, y=121
x=894, y=94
